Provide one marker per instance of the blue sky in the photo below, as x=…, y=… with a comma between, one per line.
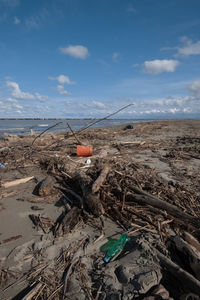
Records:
x=87, y=58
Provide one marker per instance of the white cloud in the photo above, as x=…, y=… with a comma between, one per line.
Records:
x=189, y=47
x=61, y=90
x=16, y=21
x=41, y=98
x=17, y=93
x=62, y=79
x=36, y=21
x=194, y=88
x=94, y=105
x=115, y=56
x=157, y=66
x=77, y=51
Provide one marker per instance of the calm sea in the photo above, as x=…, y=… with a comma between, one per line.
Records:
x=24, y=126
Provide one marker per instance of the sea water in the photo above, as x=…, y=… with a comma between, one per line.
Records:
x=24, y=126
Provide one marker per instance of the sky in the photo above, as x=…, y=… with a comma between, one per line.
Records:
x=88, y=58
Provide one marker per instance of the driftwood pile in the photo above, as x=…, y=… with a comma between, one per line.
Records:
x=138, y=200
x=132, y=195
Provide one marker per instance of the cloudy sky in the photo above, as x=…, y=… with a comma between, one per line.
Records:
x=88, y=58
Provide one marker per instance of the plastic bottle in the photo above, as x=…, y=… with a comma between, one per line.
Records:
x=2, y=166
x=113, y=247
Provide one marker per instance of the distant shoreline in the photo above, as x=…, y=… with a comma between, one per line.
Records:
x=16, y=119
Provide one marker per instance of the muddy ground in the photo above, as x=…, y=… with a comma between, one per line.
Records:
x=45, y=258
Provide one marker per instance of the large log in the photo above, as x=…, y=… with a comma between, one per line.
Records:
x=148, y=199
x=193, y=256
x=192, y=240
x=188, y=281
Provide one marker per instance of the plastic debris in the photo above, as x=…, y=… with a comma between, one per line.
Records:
x=84, y=150
x=2, y=166
x=88, y=161
x=114, y=247
x=129, y=126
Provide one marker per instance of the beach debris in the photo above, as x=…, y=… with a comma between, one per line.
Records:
x=114, y=247
x=191, y=254
x=99, y=181
x=13, y=238
x=66, y=222
x=35, y=207
x=16, y=182
x=45, y=187
x=129, y=126
x=88, y=161
x=2, y=166
x=45, y=223
x=188, y=280
x=92, y=203
x=84, y=150
x=120, y=189
x=78, y=141
x=190, y=239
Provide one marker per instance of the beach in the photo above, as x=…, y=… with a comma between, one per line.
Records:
x=50, y=237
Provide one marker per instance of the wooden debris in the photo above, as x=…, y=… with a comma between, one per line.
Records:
x=13, y=238
x=93, y=203
x=36, y=208
x=191, y=240
x=186, y=278
x=193, y=256
x=16, y=182
x=33, y=292
x=148, y=199
x=99, y=181
x=69, y=221
x=91, y=200
x=44, y=223
x=46, y=187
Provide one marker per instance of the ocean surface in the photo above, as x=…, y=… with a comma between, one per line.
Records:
x=24, y=126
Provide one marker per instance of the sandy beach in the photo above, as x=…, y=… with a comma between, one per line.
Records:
x=50, y=238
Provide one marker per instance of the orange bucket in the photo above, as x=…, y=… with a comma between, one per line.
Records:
x=84, y=150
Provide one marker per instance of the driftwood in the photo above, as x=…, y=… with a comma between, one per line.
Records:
x=192, y=241
x=188, y=281
x=148, y=199
x=91, y=200
x=79, y=142
x=13, y=238
x=191, y=253
x=94, y=204
x=68, y=221
x=33, y=292
x=16, y=182
x=45, y=187
x=99, y=181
